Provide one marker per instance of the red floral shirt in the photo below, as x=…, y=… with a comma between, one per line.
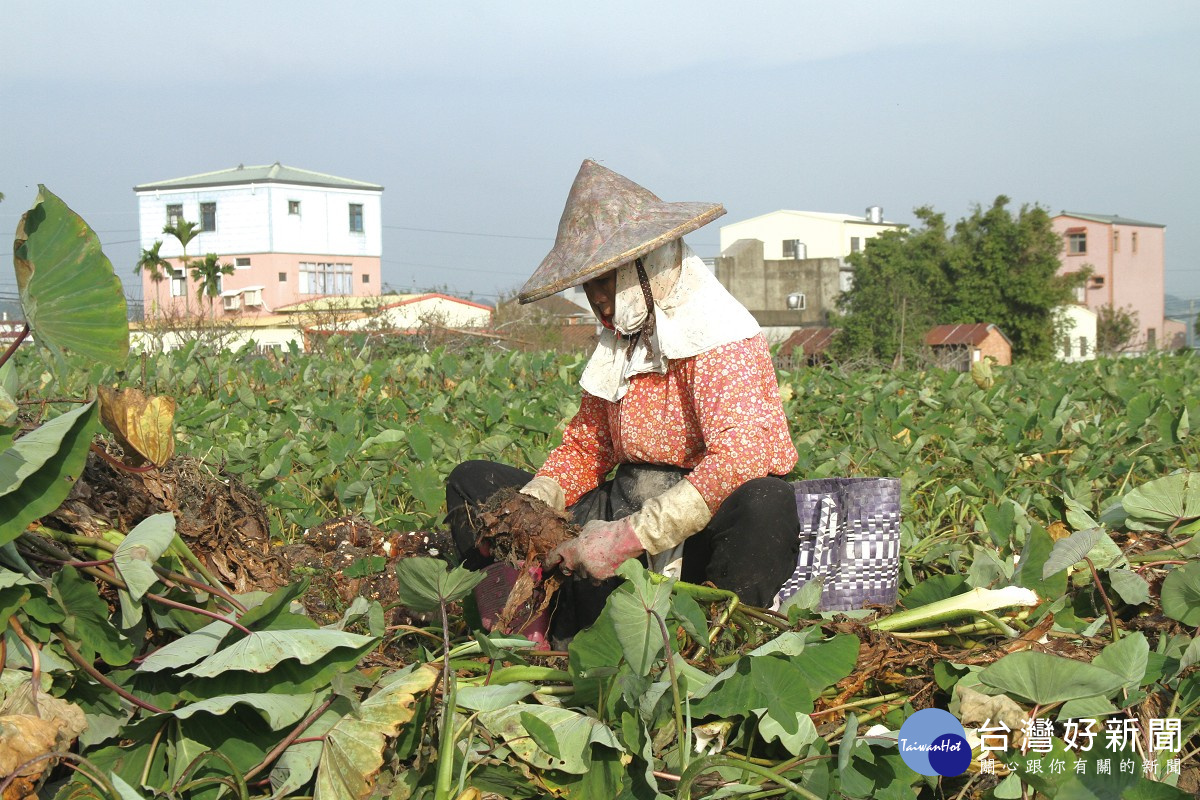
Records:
x=717, y=414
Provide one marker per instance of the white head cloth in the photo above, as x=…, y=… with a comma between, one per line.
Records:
x=693, y=313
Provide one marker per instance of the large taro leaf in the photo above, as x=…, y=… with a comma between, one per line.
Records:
x=1181, y=594
x=1160, y=503
x=69, y=293
x=296, y=766
x=38, y=471
x=86, y=622
x=353, y=751
x=425, y=583
x=637, y=609
x=572, y=734
x=186, y=650
x=278, y=710
x=1043, y=678
x=262, y=650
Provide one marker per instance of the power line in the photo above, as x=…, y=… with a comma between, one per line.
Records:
x=470, y=233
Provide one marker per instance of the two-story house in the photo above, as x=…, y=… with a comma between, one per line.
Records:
x=1126, y=260
x=290, y=234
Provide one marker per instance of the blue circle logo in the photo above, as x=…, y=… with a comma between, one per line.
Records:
x=932, y=742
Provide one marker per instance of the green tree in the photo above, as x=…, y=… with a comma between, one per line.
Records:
x=995, y=267
x=184, y=232
x=155, y=266
x=897, y=292
x=1116, y=328
x=207, y=273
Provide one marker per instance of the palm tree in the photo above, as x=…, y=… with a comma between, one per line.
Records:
x=184, y=231
x=207, y=274
x=155, y=266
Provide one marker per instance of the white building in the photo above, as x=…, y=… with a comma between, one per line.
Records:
x=808, y=234
x=290, y=233
x=1078, y=328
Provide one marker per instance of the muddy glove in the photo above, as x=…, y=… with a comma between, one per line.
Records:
x=669, y=518
x=664, y=522
x=598, y=550
x=547, y=490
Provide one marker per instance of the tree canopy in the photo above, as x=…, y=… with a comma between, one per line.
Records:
x=995, y=266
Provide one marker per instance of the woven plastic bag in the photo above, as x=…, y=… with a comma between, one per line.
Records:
x=850, y=539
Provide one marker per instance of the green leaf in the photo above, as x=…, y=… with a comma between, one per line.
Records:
x=363, y=567
x=1126, y=657
x=574, y=732
x=543, y=734
x=134, y=560
x=1043, y=678
x=186, y=650
x=353, y=750
x=1131, y=587
x=425, y=583
x=279, y=710
x=86, y=621
x=1071, y=550
x=491, y=698
x=1029, y=573
x=71, y=298
x=38, y=471
x=276, y=607
x=1181, y=594
x=636, y=608
x=262, y=650
x=1160, y=503
x=689, y=614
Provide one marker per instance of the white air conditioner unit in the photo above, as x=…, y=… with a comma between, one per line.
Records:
x=796, y=301
x=252, y=297
x=232, y=302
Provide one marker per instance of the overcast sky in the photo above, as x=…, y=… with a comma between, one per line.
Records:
x=476, y=116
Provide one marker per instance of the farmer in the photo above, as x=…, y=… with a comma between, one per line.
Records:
x=680, y=397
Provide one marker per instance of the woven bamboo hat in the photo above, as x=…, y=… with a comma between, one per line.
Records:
x=609, y=220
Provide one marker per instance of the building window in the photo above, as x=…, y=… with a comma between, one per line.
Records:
x=1133, y=241
x=1066, y=347
x=1077, y=243
x=855, y=244
x=208, y=216
x=242, y=262
x=1083, y=346
x=1116, y=241
x=174, y=214
x=1151, y=338
x=366, y=278
x=323, y=278
x=794, y=248
x=356, y=221
x=294, y=207
x=283, y=277
x=178, y=282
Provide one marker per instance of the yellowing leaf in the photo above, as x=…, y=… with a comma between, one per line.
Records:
x=353, y=750
x=141, y=423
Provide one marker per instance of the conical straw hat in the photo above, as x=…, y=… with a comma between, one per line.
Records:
x=609, y=220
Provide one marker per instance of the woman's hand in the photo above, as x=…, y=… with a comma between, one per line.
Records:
x=598, y=550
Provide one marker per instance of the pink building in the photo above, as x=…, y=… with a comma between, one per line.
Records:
x=1126, y=258
x=290, y=234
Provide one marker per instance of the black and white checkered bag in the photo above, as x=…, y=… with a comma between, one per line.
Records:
x=850, y=539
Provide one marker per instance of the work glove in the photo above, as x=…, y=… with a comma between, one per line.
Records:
x=547, y=490
x=598, y=550
x=663, y=522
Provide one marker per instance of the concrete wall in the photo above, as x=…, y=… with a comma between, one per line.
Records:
x=763, y=286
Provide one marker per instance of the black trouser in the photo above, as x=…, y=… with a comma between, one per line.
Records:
x=748, y=547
